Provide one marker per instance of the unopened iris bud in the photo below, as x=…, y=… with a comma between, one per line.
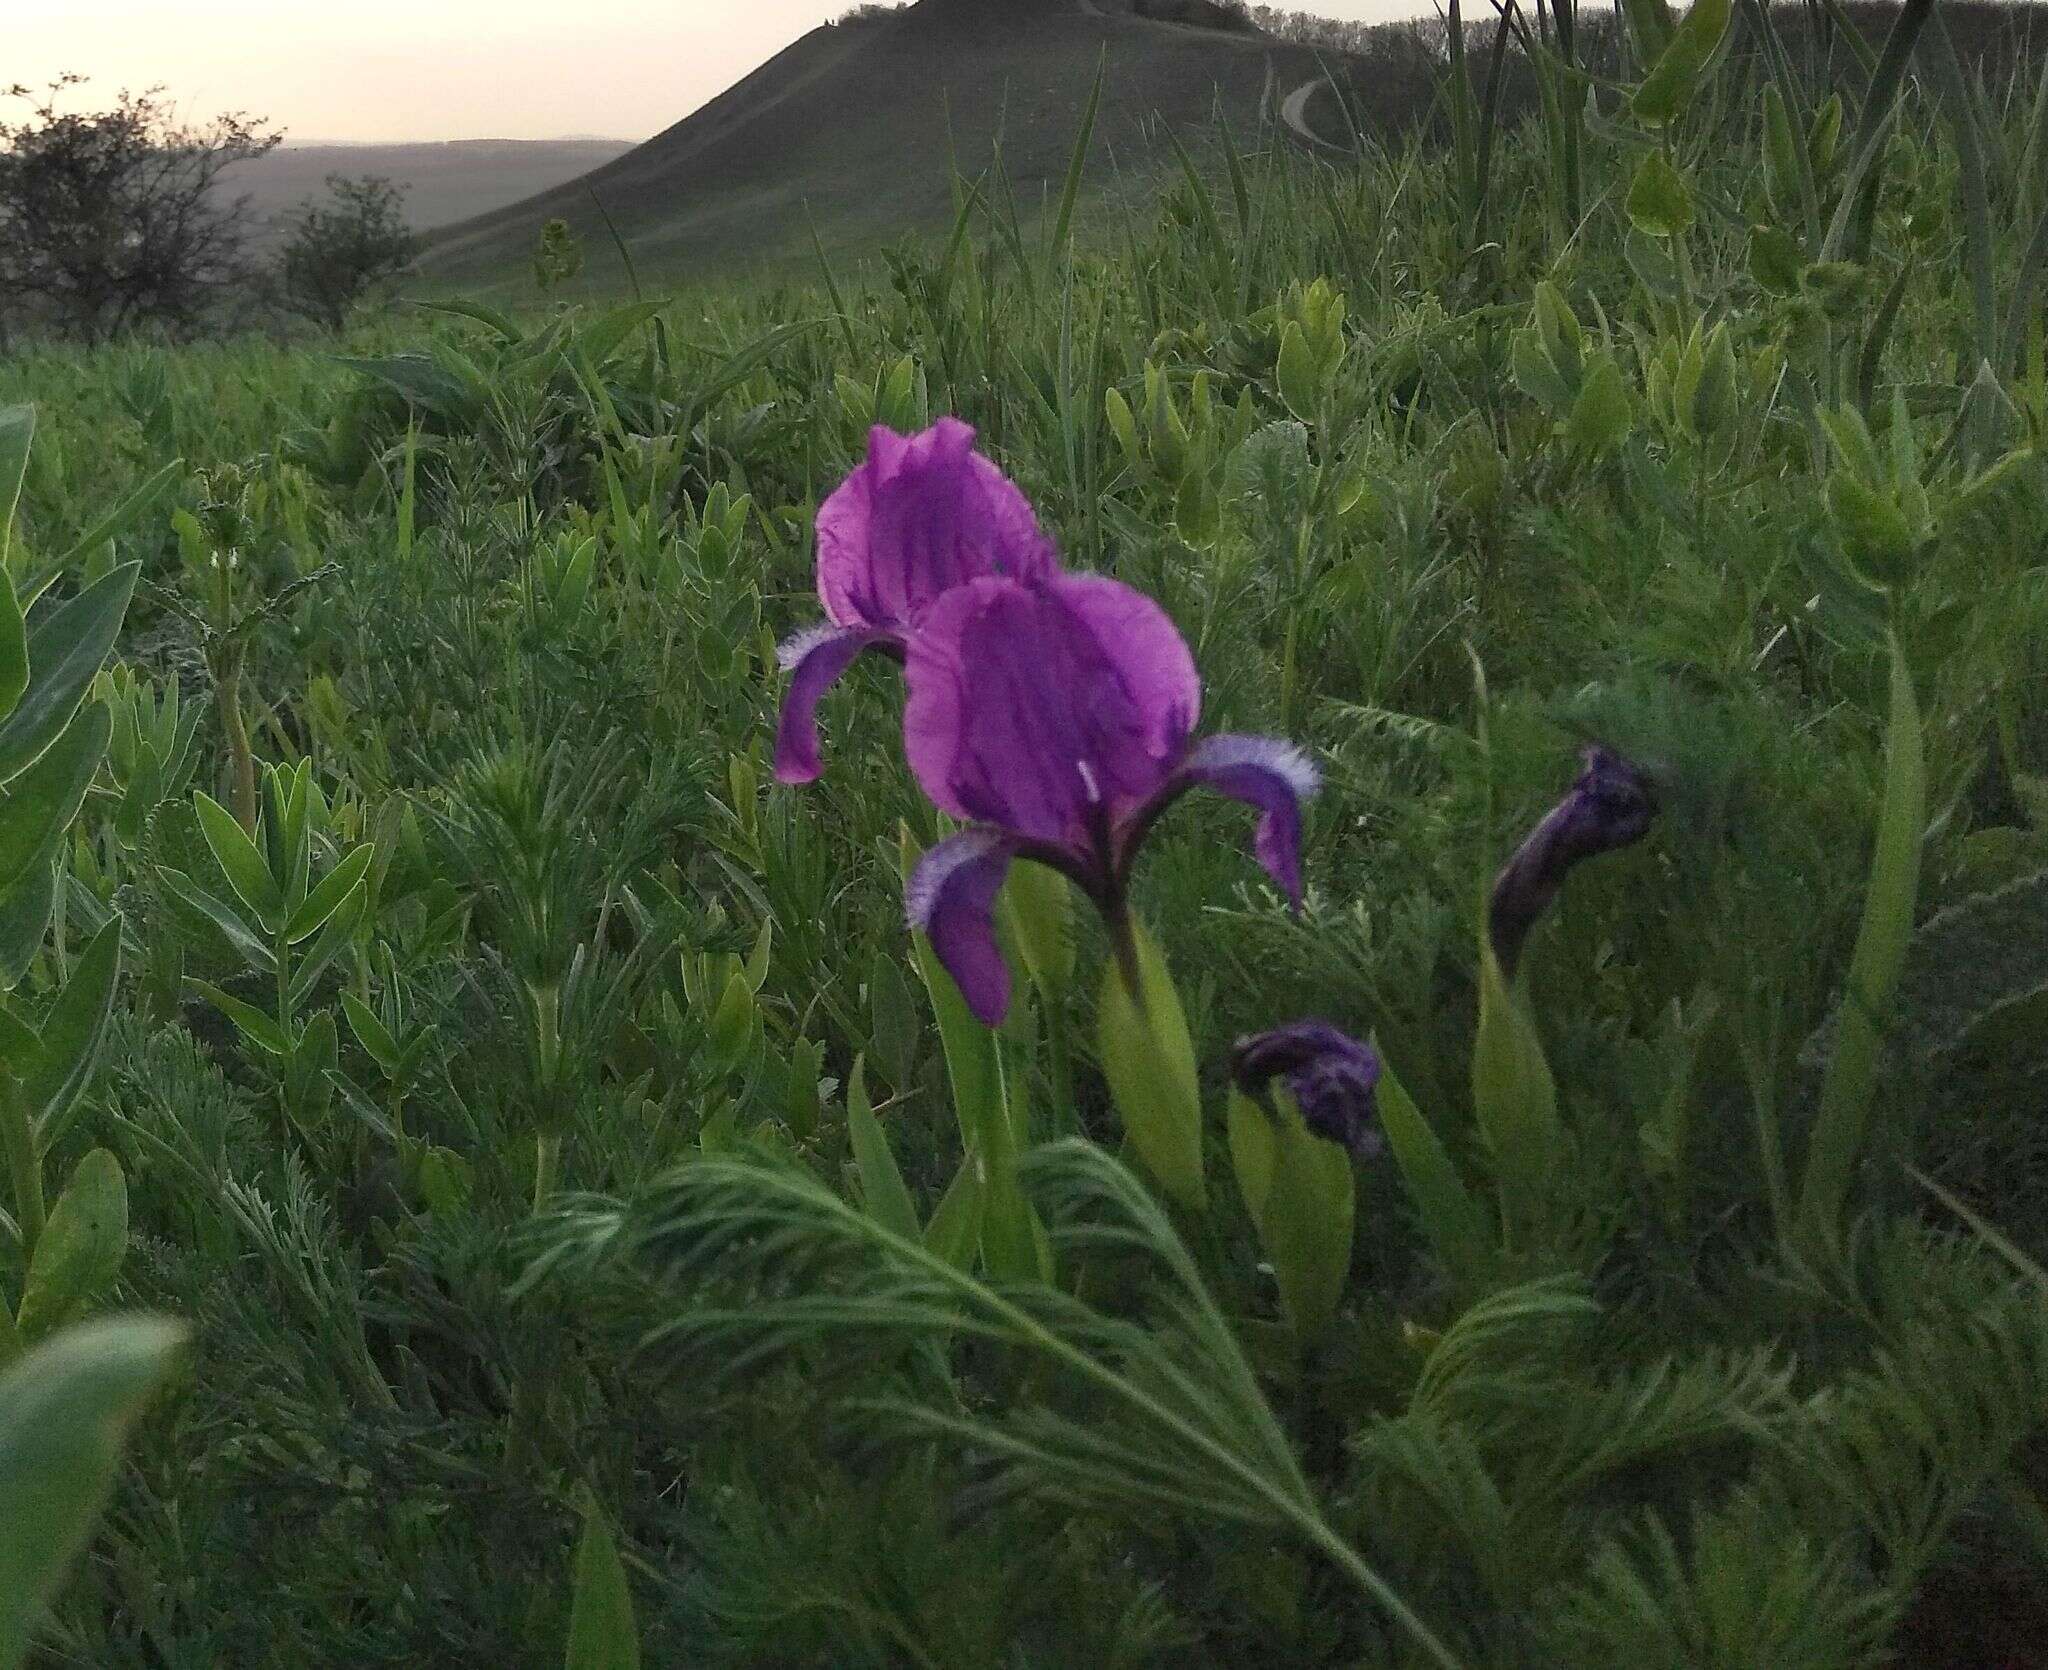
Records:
x=1609, y=807
x=1331, y=1076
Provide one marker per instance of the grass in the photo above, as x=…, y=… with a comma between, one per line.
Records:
x=610, y=1201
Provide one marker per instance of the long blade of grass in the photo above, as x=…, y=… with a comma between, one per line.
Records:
x=1845, y=242
x=1077, y=165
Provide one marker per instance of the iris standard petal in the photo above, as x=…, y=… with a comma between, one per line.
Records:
x=1275, y=777
x=814, y=660
x=923, y=514
x=951, y=900
x=1049, y=712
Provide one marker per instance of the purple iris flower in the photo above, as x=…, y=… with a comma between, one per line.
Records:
x=924, y=514
x=1058, y=719
x=1609, y=807
x=1331, y=1076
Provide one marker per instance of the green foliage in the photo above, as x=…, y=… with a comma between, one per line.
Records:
x=64, y=1411
x=411, y=965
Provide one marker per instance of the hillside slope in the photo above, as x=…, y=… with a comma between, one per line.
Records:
x=864, y=124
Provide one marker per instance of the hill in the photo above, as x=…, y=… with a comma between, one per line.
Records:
x=863, y=123
x=448, y=182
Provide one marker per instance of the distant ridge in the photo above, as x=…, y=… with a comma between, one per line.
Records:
x=448, y=180
x=861, y=125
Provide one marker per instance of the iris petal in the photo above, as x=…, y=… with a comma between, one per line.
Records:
x=951, y=900
x=1273, y=776
x=1051, y=712
x=815, y=660
x=923, y=514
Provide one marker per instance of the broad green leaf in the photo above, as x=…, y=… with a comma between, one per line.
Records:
x=1603, y=414
x=260, y=1029
x=1876, y=538
x=733, y=1024
x=17, y=432
x=1837, y=1143
x=65, y=654
x=1039, y=902
x=241, y=861
x=955, y=1228
x=1301, y=1196
x=74, y=1032
x=1535, y=374
x=40, y=803
x=1682, y=66
x=1011, y=1237
x=334, y=939
x=1785, y=157
x=371, y=1033
x=1149, y=1061
x=130, y=510
x=327, y=898
x=756, y=967
x=1513, y=1093
x=882, y=1188
x=1659, y=200
x=1307, y=1225
x=1651, y=24
x=13, y=647
x=239, y=934
x=25, y=913
x=483, y=315
x=602, y=337
x=1254, y=1150
x=308, y=1069
x=447, y=1181
x=1298, y=376
x=65, y=1409
x=424, y=382
x=81, y=1248
x=602, y=1633
x=892, y=1016
x=1451, y=1218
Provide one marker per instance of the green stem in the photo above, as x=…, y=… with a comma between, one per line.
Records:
x=547, y=1167
x=227, y=689
x=27, y=1171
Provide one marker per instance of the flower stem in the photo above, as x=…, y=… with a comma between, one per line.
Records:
x=547, y=1167
x=227, y=691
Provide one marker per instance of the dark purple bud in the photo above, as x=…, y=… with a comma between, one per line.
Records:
x=1609, y=807
x=1330, y=1075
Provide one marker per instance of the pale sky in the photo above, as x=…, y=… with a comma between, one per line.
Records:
x=432, y=69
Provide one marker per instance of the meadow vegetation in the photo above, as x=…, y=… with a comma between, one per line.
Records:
x=530, y=1197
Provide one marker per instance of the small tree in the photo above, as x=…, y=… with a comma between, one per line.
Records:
x=114, y=219
x=338, y=253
